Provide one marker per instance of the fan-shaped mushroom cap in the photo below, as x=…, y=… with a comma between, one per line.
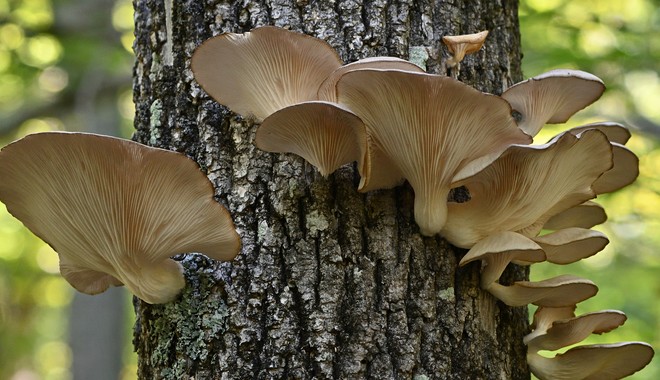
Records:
x=552, y=97
x=264, y=70
x=565, y=332
x=572, y=244
x=584, y=215
x=328, y=91
x=615, y=132
x=325, y=134
x=527, y=185
x=464, y=44
x=498, y=250
x=558, y=291
x=429, y=126
x=544, y=317
x=115, y=210
x=593, y=362
x=624, y=171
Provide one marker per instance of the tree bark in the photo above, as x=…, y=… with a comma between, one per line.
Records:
x=330, y=283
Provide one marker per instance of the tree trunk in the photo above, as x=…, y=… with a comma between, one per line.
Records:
x=330, y=283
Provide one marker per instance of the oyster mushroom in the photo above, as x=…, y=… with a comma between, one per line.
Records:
x=429, y=127
x=325, y=134
x=114, y=210
x=584, y=215
x=462, y=45
x=526, y=185
x=264, y=70
x=552, y=97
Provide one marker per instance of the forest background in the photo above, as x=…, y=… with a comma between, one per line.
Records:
x=61, y=71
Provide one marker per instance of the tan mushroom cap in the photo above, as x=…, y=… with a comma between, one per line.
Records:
x=325, y=134
x=498, y=250
x=544, y=317
x=526, y=186
x=327, y=90
x=624, y=171
x=428, y=126
x=264, y=70
x=615, y=132
x=552, y=97
x=564, y=290
x=462, y=45
x=571, y=244
x=563, y=333
x=592, y=362
x=584, y=215
x=114, y=210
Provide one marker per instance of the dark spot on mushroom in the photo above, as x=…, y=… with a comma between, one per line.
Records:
x=517, y=116
x=459, y=195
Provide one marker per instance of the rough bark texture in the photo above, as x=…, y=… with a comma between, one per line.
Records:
x=331, y=283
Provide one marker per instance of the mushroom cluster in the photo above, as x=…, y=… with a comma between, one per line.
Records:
x=396, y=121
x=114, y=210
x=556, y=328
x=399, y=123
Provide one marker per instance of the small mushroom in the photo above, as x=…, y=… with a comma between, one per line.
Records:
x=544, y=317
x=264, y=70
x=571, y=244
x=114, y=210
x=565, y=332
x=526, y=185
x=592, y=362
x=498, y=250
x=325, y=134
x=584, y=215
x=560, y=291
x=429, y=126
x=552, y=97
x=462, y=45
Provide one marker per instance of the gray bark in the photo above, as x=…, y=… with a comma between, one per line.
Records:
x=331, y=283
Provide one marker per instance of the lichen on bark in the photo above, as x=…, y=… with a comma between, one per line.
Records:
x=330, y=283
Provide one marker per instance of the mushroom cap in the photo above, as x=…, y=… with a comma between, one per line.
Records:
x=464, y=44
x=560, y=291
x=552, y=97
x=571, y=244
x=544, y=317
x=624, y=171
x=526, y=185
x=615, y=132
x=592, y=362
x=328, y=91
x=498, y=250
x=115, y=210
x=325, y=134
x=264, y=70
x=584, y=215
x=566, y=332
x=428, y=143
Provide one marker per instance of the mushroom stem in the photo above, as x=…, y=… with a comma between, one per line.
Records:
x=156, y=283
x=431, y=211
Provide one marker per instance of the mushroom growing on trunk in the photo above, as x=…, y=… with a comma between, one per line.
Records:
x=527, y=185
x=114, y=210
x=428, y=127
